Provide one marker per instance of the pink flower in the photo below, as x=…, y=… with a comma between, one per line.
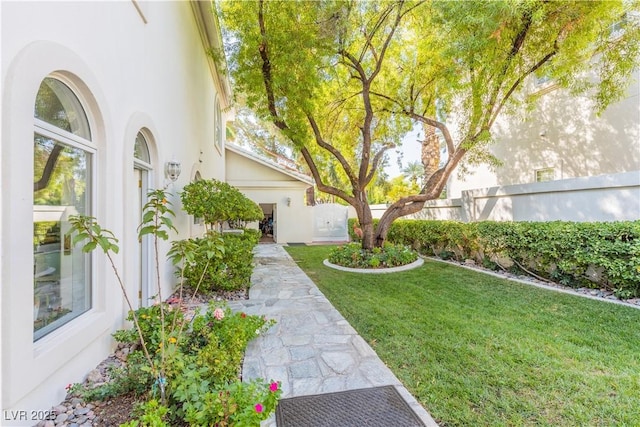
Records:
x=218, y=314
x=258, y=407
x=273, y=386
x=68, y=387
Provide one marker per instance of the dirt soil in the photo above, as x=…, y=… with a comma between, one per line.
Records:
x=115, y=411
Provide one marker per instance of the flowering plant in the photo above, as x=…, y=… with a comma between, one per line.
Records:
x=353, y=256
x=235, y=404
x=187, y=368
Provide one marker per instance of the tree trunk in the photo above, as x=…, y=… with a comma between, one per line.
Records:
x=365, y=220
x=412, y=204
x=430, y=154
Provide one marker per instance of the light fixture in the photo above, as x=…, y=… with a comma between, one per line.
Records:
x=288, y=201
x=172, y=170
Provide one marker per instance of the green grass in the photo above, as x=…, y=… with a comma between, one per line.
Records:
x=477, y=350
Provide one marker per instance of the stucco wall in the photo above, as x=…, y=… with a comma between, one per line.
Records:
x=129, y=75
x=563, y=133
x=265, y=185
x=614, y=197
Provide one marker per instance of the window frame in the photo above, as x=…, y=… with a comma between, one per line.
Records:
x=89, y=147
x=538, y=172
x=137, y=162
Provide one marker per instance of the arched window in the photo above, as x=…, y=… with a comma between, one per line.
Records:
x=63, y=159
x=141, y=150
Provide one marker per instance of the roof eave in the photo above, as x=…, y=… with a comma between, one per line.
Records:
x=242, y=152
x=211, y=36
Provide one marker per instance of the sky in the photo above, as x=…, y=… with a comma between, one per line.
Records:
x=411, y=152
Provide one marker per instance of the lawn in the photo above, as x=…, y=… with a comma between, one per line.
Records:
x=477, y=350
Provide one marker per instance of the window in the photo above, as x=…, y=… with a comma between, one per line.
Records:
x=63, y=157
x=616, y=29
x=141, y=168
x=542, y=80
x=218, y=125
x=546, y=174
x=141, y=150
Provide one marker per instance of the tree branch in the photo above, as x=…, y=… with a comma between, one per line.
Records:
x=47, y=172
x=423, y=119
x=431, y=190
x=377, y=159
x=516, y=45
x=319, y=181
x=518, y=82
x=266, y=70
x=333, y=150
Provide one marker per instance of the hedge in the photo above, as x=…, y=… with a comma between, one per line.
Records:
x=577, y=254
x=233, y=271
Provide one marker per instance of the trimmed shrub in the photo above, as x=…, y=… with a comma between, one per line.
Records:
x=598, y=254
x=232, y=271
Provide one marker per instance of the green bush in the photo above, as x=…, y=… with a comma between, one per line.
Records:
x=149, y=319
x=216, y=202
x=220, y=344
x=599, y=254
x=353, y=256
x=232, y=271
x=169, y=358
x=148, y=414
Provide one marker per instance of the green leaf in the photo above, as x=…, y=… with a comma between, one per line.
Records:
x=149, y=229
x=104, y=243
x=79, y=237
x=148, y=216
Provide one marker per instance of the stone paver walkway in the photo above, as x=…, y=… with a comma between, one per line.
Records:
x=312, y=349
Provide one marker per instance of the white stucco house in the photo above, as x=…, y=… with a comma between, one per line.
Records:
x=562, y=138
x=280, y=192
x=100, y=102
x=559, y=162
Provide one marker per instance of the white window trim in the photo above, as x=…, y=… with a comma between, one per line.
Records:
x=75, y=141
x=550, y=169
x=43, y=342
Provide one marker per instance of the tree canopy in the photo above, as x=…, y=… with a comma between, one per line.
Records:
x=346, y=80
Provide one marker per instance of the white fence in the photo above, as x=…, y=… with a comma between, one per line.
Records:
x=599, y=198
x=330, y=223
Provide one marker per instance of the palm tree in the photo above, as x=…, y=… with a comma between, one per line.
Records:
x=414, y=172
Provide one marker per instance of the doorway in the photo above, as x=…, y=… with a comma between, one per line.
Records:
x=269, y=225
x=141, y=168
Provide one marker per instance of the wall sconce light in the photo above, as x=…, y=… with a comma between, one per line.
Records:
x=288, y=201
x=172, y=170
